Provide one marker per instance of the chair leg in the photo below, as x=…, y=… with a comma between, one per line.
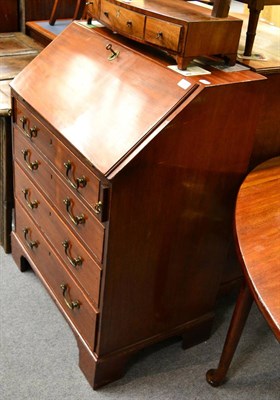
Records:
x=251, y=31
x=215, y=377
x=80, y=5
x=53, y=14
x=79, y=9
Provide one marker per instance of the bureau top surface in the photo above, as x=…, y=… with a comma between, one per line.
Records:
x=103, y=108
x=180, y=10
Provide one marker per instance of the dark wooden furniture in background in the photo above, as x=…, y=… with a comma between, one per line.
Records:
x=40, y=10
x=6, y=175
x=79, y=8
x=221, y=10
x=186, y=31
x=9, y=15
x=257, y=217
x=128, y=220
x=16, y=51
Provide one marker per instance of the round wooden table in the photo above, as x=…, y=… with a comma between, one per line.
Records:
x=257, y=229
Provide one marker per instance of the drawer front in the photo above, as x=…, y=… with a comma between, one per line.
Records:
x=82, y=222
x=75, y=174
x=163, y=33
x=92, y=8
x=122, y=20
x=61, y=285
x=73, y=254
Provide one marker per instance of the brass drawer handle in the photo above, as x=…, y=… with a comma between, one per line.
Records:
x=98, y=207
x=106, y=14
x=30, y=243
x=70, y=303
x=31, y=165
x=129, y=24
x=159, y=35
x=73, y=261
x=32, y=131
x=79, y=219
x=31, y=204
x=78, y=182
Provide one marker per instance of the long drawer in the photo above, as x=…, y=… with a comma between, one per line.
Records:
x=80, y=219
x=58, y=281
x=75, y=257
x=75, y=174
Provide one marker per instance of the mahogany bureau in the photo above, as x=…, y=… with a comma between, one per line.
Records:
x=125, y=179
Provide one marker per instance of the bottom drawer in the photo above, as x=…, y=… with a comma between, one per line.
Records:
x=62, y=286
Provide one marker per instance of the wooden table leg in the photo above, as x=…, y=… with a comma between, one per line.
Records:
x=251, y=31
x=215, y=377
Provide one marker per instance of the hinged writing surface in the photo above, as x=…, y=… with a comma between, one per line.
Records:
x=103, y=107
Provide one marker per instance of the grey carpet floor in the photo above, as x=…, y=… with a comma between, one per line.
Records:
x=39, y=356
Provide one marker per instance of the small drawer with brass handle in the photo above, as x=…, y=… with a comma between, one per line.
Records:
x=122, y=20
x=163, y=33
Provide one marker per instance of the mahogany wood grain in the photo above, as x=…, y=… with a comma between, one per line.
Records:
x=257, y=224
x=257, y=218
x=267, y=138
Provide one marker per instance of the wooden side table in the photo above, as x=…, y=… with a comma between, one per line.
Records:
x=16, y=51
x=257, y=223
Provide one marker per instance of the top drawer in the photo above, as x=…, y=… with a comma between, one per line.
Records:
x=122, y=20
x=77, y=176
x=163, y=33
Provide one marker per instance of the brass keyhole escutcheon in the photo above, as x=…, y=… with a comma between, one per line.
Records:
x=114, y=54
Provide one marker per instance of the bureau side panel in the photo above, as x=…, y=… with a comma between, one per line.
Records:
x=171, y=219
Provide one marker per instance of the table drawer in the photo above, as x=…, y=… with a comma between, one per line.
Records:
x=163, y=33
x=82, y=222
x=70, y=297
x=74, y=255
x=76, y=175
x=122, y=20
